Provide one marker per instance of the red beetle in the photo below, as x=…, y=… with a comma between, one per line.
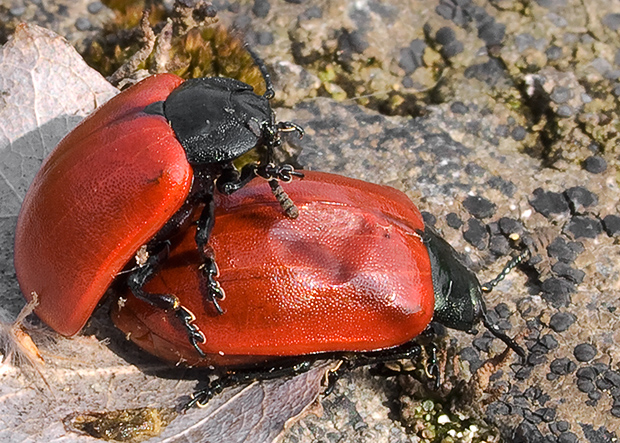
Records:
x=132, y=174
x=356, y=271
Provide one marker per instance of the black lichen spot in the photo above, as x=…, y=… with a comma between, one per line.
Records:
x=586, y=386
x=611, y=224
x=445, y=35
x=561, y=321
x=564, y=251
x=452, y=49
x=429, y=219
x=492, y=32
x=536, y=358
x=557, y=291
x=459, y=108
x=544, y=344
x=554, y=52
x=490, y=72
x=479, y=207
x=506, y=187
x=595, y=164
x=612, y=21
x=454, y=221
x=472, y=356
x=562, y=366
x=561, y=269
x=580, y=198
x=560, y=95
x=261, y=8
x=588, y=373
x=584, y=227
x=612, y=377
x=474, y=170
x=600, y=435
x=584, y=352
x=483, y=343
x=546, y=414
x=568, y=437
x=476, y=234
x=518, y=133
x=310, y=13
x=548, y=203
x=350, y=42
x=559, y=426
x=499, y=245
x=411, y=57
x=510, y=226
x=527, y=432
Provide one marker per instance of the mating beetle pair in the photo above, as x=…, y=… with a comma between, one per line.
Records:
x=357, y=271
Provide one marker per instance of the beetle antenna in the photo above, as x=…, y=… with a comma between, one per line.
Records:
x=494, y=329
x=488, y=287
x=288, y=206
x=513, y=263
x=269, y=91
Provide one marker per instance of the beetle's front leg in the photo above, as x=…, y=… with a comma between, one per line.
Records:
x=209, y=267
x=139, y=277
x=231, y=180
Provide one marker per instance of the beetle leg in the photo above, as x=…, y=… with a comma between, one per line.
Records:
x=201, y=397
x=168, y=302
x=138, y=278
x=432, y=367
x=209, y=267
x=410, y=351
x=283, y=172
x=232, y=180
x=195, y=335
x=349, y=361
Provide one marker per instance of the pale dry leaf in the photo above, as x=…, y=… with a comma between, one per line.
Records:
x=45, y=90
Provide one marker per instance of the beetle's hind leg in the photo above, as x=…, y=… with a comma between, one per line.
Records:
x=201, y=397
x=139, y=277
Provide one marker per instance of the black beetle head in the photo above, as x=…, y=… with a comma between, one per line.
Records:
x=218, y=119
x=458, y=293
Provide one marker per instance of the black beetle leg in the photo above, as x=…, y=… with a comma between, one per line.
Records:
x=138, y=278
x=409, y=351
x=432, y=367
x=284, y=173
x=209, y=267
x=194, y=334
x=201, y=397
x=232, y=180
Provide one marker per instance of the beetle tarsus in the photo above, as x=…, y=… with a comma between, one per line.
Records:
x=214, y=290
x=193, y=332
x=290, y=127
x=200, y=398
x=432, y=367
x=284, y=173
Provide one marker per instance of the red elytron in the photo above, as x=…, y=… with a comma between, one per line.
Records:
x=107, y=188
